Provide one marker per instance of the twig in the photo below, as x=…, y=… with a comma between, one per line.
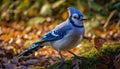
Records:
x=118, y=24
x=110, y=16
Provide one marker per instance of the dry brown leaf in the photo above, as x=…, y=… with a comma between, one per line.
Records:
x=98, y=43
x=23, y=67
x=32, y=62
x=2, y=52
x=10, y=66
x=4, y=59
x=8, y=37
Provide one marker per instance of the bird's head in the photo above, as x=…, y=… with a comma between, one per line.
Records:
x=75, y=15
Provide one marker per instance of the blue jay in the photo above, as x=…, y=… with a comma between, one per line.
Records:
x=65, y=36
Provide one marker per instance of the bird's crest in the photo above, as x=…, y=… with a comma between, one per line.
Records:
x=74, y=11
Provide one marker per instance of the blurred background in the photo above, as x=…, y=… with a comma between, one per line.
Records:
x=23, y=22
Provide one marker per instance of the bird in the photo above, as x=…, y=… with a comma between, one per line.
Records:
x=63, y=37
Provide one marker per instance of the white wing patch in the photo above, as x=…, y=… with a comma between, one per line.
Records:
x=54, y=33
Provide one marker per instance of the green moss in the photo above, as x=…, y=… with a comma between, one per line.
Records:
x=110, y=50
x=37, y=67
x=66, y=66
x=89, y=60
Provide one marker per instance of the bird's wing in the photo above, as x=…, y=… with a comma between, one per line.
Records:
x=53, y=35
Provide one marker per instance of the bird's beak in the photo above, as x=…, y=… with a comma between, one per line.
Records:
x=84, y=19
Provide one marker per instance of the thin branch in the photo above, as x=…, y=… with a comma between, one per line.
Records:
x=110, y=16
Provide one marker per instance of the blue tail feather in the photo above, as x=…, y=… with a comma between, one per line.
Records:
x=32, y=49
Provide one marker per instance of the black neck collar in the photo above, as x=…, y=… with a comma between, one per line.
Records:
x=72, y=22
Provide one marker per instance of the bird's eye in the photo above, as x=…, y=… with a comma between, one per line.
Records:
x=75, y=17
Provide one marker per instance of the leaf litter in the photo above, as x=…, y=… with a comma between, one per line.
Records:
x=16, y=37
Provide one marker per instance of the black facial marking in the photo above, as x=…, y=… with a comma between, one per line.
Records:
x=72, y=22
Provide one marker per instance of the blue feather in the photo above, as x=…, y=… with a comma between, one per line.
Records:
x=32, y=49
x=74, y=11
x=53, y=35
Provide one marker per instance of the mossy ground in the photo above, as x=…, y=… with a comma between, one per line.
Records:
x=94, y=58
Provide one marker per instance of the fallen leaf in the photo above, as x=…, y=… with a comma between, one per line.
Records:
x=8, y=37
x=10, y=66
x=98, y=43
x=14, y=61
x=4, y=60
x=23, y=67
x=2, y=52
x=32, y=62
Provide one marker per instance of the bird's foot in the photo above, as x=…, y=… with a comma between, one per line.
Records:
x=62, y=65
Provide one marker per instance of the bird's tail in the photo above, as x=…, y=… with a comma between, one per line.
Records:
x=36, y=46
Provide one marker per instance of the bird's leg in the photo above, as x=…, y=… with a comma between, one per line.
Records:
x=62, y=62
x=77, y=60
x=74, y=55
x=62, y=59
